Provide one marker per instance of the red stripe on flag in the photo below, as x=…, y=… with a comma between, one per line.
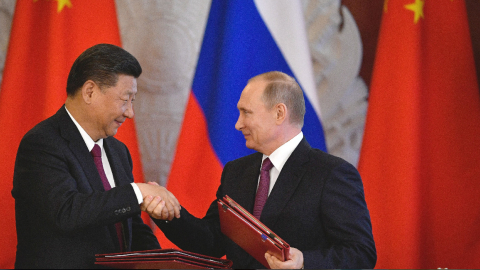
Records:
x=193, y=183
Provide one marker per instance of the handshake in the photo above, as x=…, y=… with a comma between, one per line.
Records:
x=158, y=202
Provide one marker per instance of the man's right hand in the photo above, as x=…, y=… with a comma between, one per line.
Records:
x=158, y=202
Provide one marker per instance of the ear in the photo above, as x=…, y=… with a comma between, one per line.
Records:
x=88, y=90
x=281, y=113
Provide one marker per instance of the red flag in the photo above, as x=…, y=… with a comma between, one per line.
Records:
x=420, y=158
x=196, y=169
x=45, y=40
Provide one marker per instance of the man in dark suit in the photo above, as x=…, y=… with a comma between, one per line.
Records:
x=71, y=204
x=316, y=201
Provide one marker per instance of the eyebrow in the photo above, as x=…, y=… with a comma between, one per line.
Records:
x=130, y=93
x=244, y=109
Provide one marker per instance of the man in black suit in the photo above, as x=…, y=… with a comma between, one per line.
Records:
x=316, y=201
x=70, y=205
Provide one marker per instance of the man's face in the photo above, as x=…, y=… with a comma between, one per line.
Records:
x=114, y=105
x=257, y=124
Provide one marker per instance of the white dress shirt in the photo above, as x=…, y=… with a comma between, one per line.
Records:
x=106, y=165
x=279, y=157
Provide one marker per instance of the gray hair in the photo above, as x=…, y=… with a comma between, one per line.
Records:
x=282, y=88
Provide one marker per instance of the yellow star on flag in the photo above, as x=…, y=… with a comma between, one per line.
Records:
x=62, y=4
x=417, y=8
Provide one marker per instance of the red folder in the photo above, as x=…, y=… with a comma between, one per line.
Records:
x=249, y=233
x=161, y=259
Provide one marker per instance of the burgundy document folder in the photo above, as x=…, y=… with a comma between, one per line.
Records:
x=161, y=259
x=249, y=233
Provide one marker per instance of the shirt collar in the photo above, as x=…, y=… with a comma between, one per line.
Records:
x=280, y=155
x=88, y=140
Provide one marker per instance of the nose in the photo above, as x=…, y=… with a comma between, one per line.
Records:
x=239, y=124
x=129, y=111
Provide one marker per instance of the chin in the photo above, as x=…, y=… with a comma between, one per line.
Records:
x=250, y=146
x=112, y=133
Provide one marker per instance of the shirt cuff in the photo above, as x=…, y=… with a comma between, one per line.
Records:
x=138, y=193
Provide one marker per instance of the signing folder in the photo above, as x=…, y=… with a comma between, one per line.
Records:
x=161, y=259
x=249, y=233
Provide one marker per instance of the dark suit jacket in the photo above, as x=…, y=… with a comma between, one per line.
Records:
x=63, y=215
x=317, y=206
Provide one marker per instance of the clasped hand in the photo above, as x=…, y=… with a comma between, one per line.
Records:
x=158, y=202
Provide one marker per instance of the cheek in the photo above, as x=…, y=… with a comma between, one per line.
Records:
x=117, y=110
x=263, y=130
x=250, y=126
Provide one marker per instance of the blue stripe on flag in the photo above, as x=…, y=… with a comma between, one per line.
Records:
x=237, y=46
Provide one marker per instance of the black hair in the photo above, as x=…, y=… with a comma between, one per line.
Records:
x=102, y=64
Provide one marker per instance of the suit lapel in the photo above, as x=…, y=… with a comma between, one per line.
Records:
x=121, y=178
x=248, y=184
x=70, y=132
x=243, y=192
x=286, y=184
x=113, y=156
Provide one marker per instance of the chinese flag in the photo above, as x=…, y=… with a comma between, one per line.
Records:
x=45, y=40
x=420, y=158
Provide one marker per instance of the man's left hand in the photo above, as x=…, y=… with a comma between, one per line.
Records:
x=295, y=261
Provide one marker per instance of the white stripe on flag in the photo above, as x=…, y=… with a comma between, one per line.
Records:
x=291, y=37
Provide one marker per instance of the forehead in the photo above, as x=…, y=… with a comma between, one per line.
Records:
x=126, y=85
x=252, y=93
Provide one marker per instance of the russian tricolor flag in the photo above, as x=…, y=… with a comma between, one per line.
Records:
x=243, y=38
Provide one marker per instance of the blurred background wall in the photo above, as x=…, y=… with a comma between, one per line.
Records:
x=165, y=36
